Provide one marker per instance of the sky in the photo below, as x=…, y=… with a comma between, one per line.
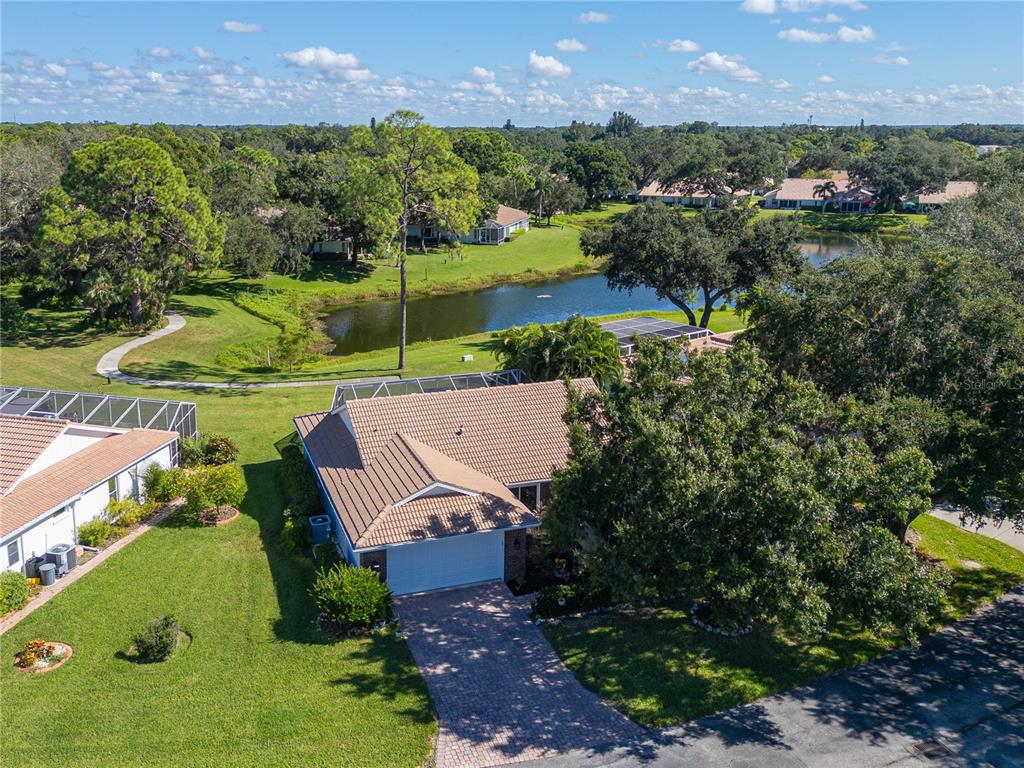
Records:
x=749, y=62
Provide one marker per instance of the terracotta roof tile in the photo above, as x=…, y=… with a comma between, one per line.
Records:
x=432, y=517
x=953, y=190
x=507, y=216
x=22, y=440
x=51, y=487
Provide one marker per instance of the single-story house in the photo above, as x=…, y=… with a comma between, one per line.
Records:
x=926, y=201
x=797, y=194
x=489, y=232
x=56, y=474
x=681, y=193
x=437, y=490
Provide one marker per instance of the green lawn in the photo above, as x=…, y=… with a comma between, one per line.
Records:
x=258, y=686
x=659, y=669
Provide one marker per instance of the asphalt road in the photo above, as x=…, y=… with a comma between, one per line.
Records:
x=958, y=700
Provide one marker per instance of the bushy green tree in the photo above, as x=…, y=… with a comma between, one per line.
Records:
x=575, y=348
x=740, y=487
x=696, y=260
x=125, y=225
x=906, y=165
x=599, y=169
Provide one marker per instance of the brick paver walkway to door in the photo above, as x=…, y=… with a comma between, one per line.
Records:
x=501, y=692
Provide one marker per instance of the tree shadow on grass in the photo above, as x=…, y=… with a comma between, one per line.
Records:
x=392, y=674
x=292, y=574
x=343, y=272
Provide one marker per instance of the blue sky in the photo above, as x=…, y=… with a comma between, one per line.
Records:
x=751, y=62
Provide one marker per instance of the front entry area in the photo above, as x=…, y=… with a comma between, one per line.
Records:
x=502, y=694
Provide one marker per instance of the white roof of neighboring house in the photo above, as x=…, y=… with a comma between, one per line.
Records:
x=953, y=190
x=679, y=189
x=803, y=189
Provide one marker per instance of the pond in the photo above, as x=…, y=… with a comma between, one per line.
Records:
x=374, y=325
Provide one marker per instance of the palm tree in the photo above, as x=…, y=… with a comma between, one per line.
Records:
x=826, y=191
x=574, y=348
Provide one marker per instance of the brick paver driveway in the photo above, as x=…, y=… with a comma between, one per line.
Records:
x=501, y=692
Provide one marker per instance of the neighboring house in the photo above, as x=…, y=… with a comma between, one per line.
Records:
x=682, y=193
x=923, y=202
x=489, y=232
x=990, y=149
x=436, y=490
x=798, y=194
x=57, y=474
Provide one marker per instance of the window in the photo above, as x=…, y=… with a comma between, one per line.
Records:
x=528, y=495
x=112, y=488
x=13, y=553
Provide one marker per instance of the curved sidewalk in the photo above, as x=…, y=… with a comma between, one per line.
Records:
x=109, y=367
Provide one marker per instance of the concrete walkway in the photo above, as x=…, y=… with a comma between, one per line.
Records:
x=48, y=593
x=501, y=693
x=957, y=701
x=1003, y=532
x=109, y=367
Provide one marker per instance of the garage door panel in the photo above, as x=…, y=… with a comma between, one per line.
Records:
x=445, y=563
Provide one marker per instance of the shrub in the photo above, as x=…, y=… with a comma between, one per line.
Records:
x=96, y=532
x=352, y=597
x=296, y=535
x=565, y=599
x=12, y=320
x=158, y=640
x=125, y=513
x=326, y=554
x=163, y=485
x=299, y=482
x=13, y=591
x=205, y=448
x=34, y=651
x=217, y=486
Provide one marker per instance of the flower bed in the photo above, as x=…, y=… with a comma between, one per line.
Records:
x=215, y=516
x=41, y=656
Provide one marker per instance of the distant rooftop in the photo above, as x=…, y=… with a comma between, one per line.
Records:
x=627, y=328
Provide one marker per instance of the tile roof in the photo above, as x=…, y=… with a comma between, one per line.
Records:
x=507, y=216
x=51, y=487
x=953, y=190
x=513, y=433
x=22, y=441
x=803, y=189
x=373, y=501
x=680, y=189
x=477, y=440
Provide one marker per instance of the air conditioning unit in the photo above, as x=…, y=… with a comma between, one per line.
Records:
x=320, y=525
x=63, y=556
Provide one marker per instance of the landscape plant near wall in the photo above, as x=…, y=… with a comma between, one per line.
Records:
x=13, y=591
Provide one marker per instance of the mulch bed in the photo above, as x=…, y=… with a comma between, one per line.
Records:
x=213, y=517
x=68, y=653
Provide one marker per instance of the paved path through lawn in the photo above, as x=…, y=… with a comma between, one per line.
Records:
x=959, y=698
x=109, y=366
x=1004, y=532
x=501, y=692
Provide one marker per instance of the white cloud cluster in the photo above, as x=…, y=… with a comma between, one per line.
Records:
x=343, y=66
x=160, y=52
x=863, y=34
x=202, y=53
x=758, y=6
x=242, y=27
x=824, y=79
x=899, y=61
x=570, y=45
x=804, y=6
x=547, y=66
x=730, y=65
x=681, y=46
x=483, y=75
x=592, y=17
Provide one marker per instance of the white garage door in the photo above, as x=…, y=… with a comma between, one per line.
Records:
x=446, y=562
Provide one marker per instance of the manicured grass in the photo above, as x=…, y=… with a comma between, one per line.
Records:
x=981, y=568
x=258, y=686
x=659, y=669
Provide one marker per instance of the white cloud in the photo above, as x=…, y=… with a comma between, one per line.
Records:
x=483, y=75
x=258, y=82
x=758, y=6
x=160, y=52
x=56, y=69
x=202, y=53
x=803, y=6
x=892, y=47
x=570, y=45
x=780, y=85
x=547, y=66
x=240, y=26
x=218, y=79
x=733, y=66
x=900, y=61
x=682, y=46
x=825, y=79
x=830, y=18
x=804, y=36
x=342, y=66
x=863, y=34
x=592, y=17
